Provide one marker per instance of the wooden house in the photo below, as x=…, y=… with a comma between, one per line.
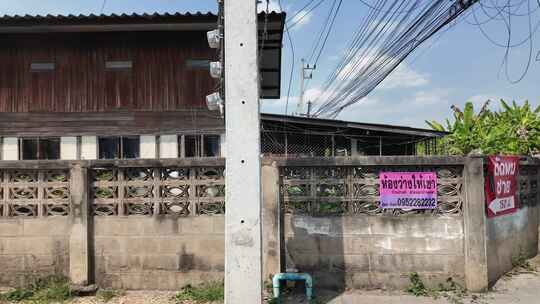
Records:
x=134, y=86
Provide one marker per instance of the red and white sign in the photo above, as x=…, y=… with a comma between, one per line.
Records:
x=501, y=185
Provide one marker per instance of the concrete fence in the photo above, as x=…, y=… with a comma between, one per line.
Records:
x=159, y=224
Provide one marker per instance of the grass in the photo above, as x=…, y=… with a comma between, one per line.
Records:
x=521, y=264
x=106, y=295
x=450, y=290
x=16, y=295
x=205, y=293
x=416, y=286
x=50, y=289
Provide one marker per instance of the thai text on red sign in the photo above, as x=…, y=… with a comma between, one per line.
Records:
x=501, y=185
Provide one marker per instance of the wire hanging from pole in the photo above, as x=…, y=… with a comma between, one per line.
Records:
x=103, y=6
x=328, y=32
x=292, y=59
x=392, y=30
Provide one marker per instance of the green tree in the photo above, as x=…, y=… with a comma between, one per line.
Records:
x=514, y=130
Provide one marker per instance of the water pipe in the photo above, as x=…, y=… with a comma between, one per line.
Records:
x=289, y=276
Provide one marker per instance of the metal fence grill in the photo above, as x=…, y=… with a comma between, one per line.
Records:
x=304, y=145
x=309, y=145
x=273, y=143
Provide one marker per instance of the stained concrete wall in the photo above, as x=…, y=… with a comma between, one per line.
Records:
x=360, y=251
x=158, y=253
x=508, y=236
x=31, y=248
x=375, y=251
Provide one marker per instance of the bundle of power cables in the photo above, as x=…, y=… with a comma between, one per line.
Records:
x=386, y=36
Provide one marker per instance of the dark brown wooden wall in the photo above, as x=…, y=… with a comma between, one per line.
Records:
x=110, y=123
x=158, y=81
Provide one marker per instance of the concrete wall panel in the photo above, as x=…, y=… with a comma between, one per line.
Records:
x=31, y=248
x=164, y=253
x=510, y=236
x=338, y=249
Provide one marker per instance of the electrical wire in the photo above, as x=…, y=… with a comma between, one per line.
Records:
x=318, y=41
x=292, y=64
x=265, y=31
x=300, y=10
x=103, y=6
x=505, y=14
x=295, y=21
x=393, y=29
x=328, y=33
x=389, y=33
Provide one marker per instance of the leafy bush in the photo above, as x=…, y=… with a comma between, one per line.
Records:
x=106, y=295
x=416, y=286
x=205, y=293
x=17, y=295
x=452, y=291
x=513, y=130
x=50, y=289
x=521, y=264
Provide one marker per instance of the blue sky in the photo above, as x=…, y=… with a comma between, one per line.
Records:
x=459, y=66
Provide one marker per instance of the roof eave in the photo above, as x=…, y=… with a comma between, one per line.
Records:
x=354, y=125
x=114, y=23
x=80, y=28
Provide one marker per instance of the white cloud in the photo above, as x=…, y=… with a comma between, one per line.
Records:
x=279, y=105
x=404, y=77
x=300, y=19
x=433, y=97
x=495, y=104
x=407, y=110
x=312, y=94
x=479, y=100
x=273, y=6
x=387, y=26
x=333, y=57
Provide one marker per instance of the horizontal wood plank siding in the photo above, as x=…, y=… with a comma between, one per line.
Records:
x=110, y=123
x=158, y=81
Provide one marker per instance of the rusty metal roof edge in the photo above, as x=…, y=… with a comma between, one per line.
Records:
x=190, y=21
x=353, y=125
x=91, y=16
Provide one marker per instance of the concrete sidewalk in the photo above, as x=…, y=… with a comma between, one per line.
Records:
x=521, y=288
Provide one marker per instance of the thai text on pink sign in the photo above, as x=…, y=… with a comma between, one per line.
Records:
x=408, y=190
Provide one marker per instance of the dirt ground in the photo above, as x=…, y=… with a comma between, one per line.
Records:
x=522, y=288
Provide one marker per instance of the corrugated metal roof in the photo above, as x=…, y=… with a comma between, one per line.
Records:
x=352, y=125
x=57, y=20
x=91, y=18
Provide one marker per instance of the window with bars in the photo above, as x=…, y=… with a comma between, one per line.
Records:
x=119, y=147
x=42, y=67
x=39, y=148
x=205, y=145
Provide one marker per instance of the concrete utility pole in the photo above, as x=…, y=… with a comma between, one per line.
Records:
x=303, y=77
x=243, y=255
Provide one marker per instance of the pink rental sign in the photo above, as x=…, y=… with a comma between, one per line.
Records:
x=408, y=190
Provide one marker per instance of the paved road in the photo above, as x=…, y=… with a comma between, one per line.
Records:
x=518, y=289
